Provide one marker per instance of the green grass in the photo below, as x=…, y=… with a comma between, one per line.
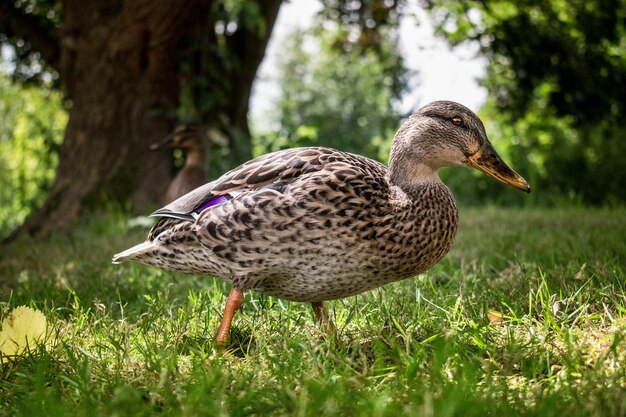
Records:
x=134, y=341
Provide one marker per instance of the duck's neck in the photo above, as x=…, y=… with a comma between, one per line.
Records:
x=409, y=172
x=196, y=157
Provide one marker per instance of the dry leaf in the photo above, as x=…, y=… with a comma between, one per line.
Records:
x=495, y=317
x=22, y=329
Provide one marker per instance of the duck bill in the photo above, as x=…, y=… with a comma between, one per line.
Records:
x=165, y=143
x=488, y=161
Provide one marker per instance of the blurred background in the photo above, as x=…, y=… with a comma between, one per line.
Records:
x=87, y=87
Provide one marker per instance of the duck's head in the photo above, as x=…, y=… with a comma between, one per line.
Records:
x=186, y=136
x=445, y=133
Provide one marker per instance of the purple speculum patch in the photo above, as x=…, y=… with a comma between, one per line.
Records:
x=213, y=202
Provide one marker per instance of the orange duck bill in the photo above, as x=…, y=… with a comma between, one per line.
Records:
x=488, y=161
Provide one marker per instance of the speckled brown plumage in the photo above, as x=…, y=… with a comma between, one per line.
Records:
x=314, y=224
x=334, y=231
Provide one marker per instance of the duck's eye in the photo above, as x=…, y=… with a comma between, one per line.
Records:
x=457, y=121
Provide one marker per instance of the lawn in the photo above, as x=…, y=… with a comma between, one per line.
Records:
x=526, y=316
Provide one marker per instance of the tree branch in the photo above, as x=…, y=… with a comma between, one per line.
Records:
x=14, y=23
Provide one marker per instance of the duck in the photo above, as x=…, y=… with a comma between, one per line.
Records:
x=313, y=224
x=192, y=140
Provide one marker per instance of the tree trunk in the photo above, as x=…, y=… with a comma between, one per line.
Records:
x=117, y=65
x=249, y=46
x=117, y=61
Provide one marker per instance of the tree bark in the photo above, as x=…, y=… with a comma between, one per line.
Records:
x=116, y=60
x=249, y=45
x=118, y=70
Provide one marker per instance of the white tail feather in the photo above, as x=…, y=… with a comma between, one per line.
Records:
x=133, y=253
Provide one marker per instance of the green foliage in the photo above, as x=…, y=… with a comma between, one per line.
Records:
x=26, y=63
x=525, y=317
x=212, y=64
x=557, y=84
x=565, y=164
x=337, y=98
x=368, y=26
x=342, y=81
x=577, y=46
x=32, y=122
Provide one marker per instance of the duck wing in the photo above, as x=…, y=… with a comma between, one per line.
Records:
x=276, y=167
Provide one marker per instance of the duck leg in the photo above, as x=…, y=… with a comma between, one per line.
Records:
x=234, y=302
x=321, y=312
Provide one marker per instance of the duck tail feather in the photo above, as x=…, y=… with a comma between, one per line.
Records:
x=134, y=253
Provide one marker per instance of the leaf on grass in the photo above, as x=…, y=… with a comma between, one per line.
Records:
x=23, y=329
x=495, y=317
x=581, y=275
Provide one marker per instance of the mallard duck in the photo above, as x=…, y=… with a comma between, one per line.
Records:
x=315, y=224
x=192, y=140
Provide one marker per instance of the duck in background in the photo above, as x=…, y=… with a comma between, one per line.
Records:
x=193, y=141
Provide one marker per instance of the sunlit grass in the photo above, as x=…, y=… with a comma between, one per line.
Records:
x=526, y=316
